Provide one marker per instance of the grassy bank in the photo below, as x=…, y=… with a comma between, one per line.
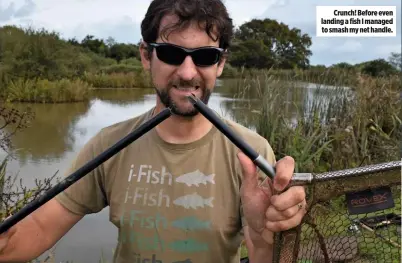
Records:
x=128, y=76
x=37, y=90
x=77, y=88
x=40, y=66
x=45, y=91
x=69, y=90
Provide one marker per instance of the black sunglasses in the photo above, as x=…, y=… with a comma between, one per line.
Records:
x=175, y=55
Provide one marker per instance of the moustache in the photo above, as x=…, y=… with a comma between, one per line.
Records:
x=186, y=83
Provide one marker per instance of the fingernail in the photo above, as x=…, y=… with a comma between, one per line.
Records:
x=277, y=186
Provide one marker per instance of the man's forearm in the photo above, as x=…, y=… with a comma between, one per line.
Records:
x=262, y=254
x=25, y=244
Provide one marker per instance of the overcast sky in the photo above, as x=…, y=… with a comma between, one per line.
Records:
x=121, y=19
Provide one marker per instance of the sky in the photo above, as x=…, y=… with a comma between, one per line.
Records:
x=121, y=20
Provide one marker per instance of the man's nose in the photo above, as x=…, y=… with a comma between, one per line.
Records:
x=187, y=70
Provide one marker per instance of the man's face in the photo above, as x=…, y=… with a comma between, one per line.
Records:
x=174, y=82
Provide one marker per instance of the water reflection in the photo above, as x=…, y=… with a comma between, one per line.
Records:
x=51, y=134
x=121, y=97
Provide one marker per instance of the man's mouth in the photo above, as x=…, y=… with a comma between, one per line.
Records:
x=186, y=88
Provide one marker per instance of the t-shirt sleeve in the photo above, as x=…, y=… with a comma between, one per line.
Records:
x=265, y=151
x=87, y=195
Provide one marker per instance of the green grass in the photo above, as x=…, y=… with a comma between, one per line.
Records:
x=45, y=91
x=133, y=79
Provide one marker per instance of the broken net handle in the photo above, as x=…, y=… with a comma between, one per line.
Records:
x=84, y=170
x=310, y=178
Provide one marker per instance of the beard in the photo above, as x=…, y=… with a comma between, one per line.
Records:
x=169, y=102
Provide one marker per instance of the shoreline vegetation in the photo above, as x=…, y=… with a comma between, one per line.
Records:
x=38, y=66
x=358, y=126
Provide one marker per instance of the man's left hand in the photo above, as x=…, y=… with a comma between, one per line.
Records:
x=265, y=207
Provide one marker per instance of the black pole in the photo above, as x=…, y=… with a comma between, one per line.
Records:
x=84, y=170
x=232, y=136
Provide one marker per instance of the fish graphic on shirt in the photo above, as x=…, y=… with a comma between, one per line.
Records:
x=193, y=200
x=196, y=178
x=191, y=223
x=188, y=245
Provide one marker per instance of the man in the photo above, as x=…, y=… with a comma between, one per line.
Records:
x=182, y=192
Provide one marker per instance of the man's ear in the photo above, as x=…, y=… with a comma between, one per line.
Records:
x=145, y=55
x=221, y=65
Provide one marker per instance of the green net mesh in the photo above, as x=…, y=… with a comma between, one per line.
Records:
x=329, y=233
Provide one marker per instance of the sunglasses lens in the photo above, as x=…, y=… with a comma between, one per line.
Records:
x=170, y=54
x=206, y=56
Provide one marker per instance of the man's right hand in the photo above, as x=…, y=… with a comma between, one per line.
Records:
x=36, y=233
x=5, y=237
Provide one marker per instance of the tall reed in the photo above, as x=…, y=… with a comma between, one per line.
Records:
x=325, y=127
x=134, y=79
x=46, y=91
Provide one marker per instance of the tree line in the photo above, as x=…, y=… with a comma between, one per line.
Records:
x=108, y=48
x=257, y=44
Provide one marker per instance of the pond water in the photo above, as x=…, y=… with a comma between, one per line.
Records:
x=59, y=131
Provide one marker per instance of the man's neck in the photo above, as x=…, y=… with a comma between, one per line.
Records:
x=179, y=130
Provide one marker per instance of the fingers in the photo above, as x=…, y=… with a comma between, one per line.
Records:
x=286, y=224
x=284, y=172
x=285, y=211
x=291, y=197
x=5, y=237
x=274, y=215
x=249, y=169
x=8, y=233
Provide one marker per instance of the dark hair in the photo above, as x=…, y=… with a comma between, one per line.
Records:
x=209, y=14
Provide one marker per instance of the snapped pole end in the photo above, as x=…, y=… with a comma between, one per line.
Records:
x=192, y=98
x=265, y=166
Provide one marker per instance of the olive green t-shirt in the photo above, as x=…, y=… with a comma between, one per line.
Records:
x=171, y=203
